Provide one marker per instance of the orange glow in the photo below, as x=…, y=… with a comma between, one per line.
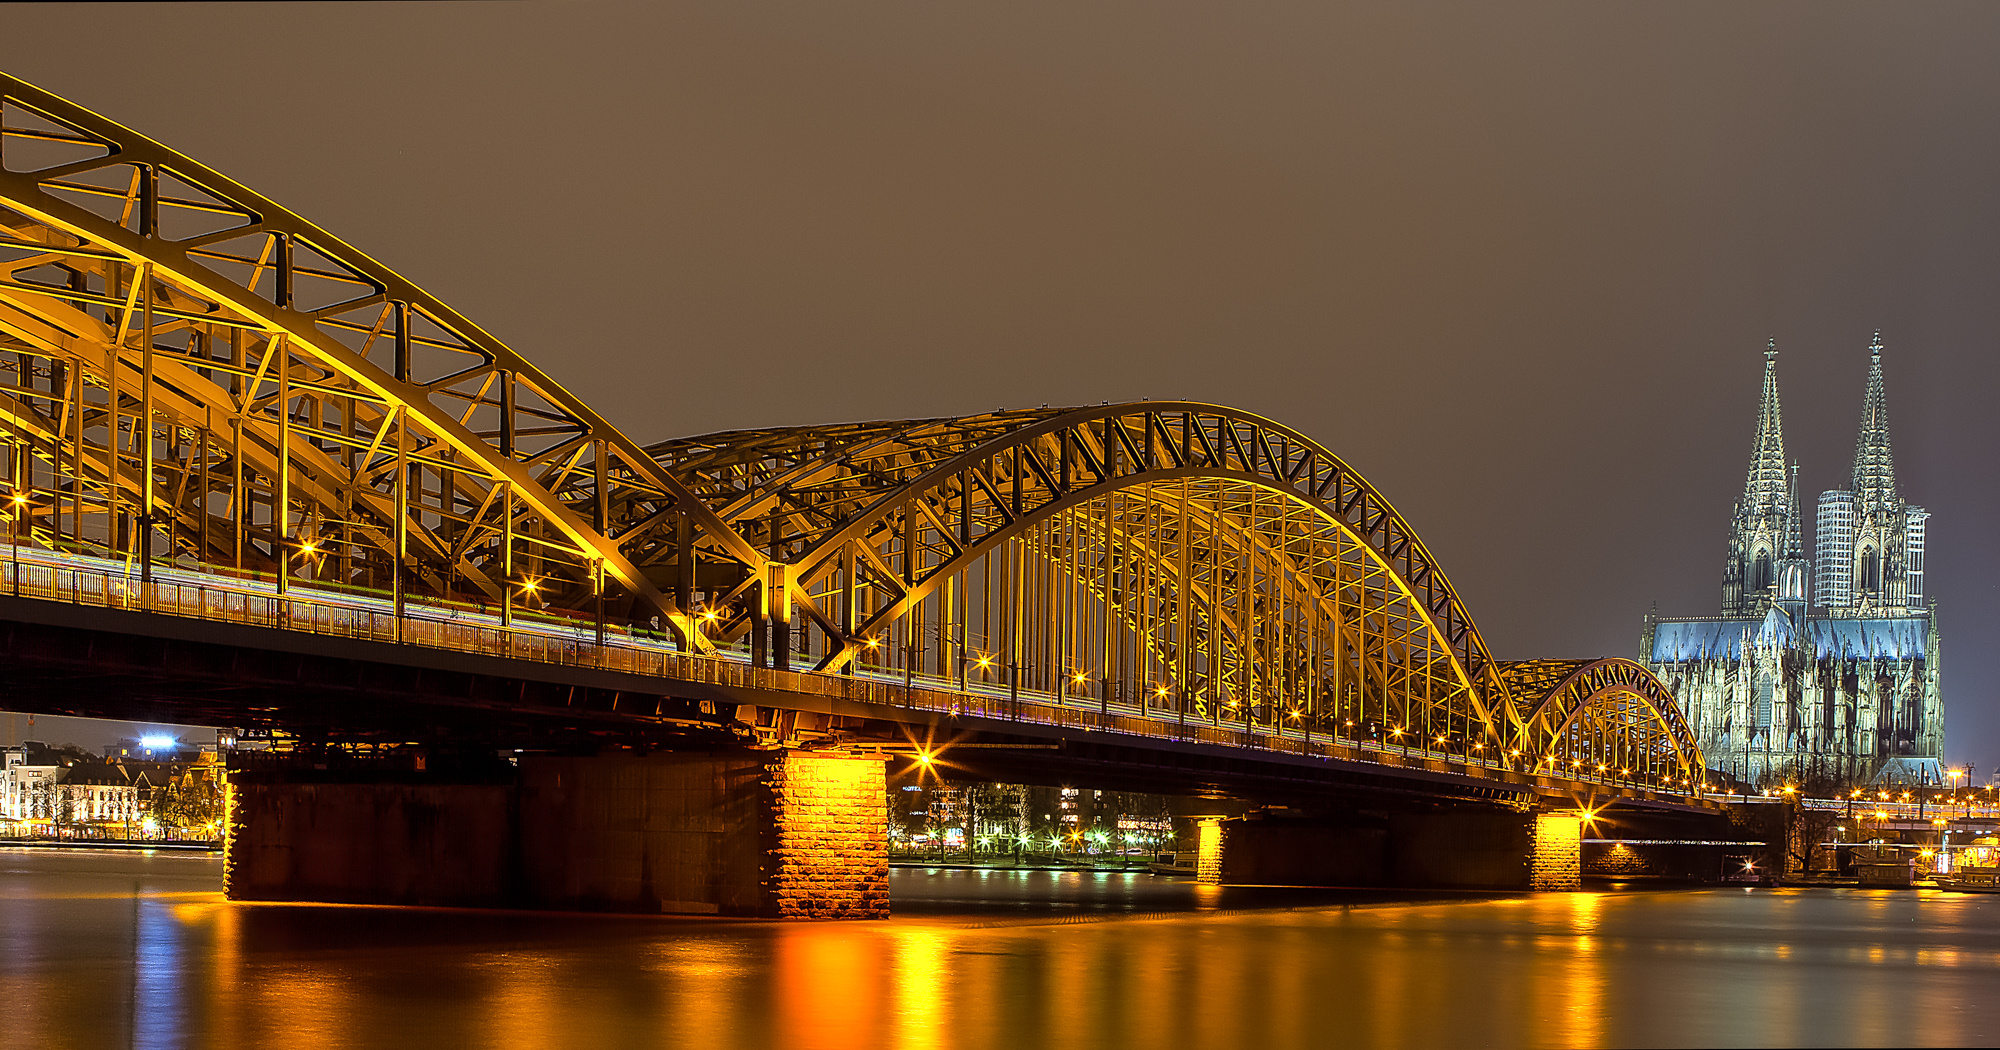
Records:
x=823, y=971
x=1208, y=851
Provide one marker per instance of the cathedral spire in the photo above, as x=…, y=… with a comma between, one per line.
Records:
x=1874, y=464
x=1794, y=548
x=1761, y=533
x=1766, y=491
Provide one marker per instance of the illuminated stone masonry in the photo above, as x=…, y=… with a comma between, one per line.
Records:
x=1557, y=863
x=1208, y=851
x=830, y=854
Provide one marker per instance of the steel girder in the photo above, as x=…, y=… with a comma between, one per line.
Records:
x=1610, y=713
x=202, y=355
x=898, y=509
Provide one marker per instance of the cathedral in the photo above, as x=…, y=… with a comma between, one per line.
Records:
x=1821, y=669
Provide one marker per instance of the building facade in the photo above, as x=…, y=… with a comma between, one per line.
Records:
x=28, y=774
x=1822, y=669
x=44, y=787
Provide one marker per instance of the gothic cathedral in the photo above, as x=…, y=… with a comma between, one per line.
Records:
x=1824, y=670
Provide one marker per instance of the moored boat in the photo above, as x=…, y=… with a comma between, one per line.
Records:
x=1971, y=879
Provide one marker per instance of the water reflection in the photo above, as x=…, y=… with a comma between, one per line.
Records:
x=129, y=950
x=158, y=997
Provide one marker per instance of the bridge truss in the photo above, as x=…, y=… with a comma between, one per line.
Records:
x=192, y=376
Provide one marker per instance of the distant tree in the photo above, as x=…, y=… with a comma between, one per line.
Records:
x=49, y=800
x=41, y=800
x=1806, y=829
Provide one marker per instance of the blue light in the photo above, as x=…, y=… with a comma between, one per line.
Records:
x=156, y=742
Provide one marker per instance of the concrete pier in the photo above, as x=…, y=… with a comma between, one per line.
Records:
x=768, y=834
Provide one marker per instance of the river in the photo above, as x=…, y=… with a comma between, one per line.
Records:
x=108, y=949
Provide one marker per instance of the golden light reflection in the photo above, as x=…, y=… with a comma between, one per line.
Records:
x=524, y=993
x=922, y=1004
x=1559, y=970
x=827, y=985
x=298, y=1007
x=1578, y=976
x=228, y=977
x=700, y=980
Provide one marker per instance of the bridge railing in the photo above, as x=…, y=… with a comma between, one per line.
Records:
x=56, y=576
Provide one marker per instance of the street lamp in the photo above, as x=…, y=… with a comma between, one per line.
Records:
x=20, y=502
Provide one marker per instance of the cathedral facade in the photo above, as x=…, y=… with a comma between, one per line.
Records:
x=1820, y=668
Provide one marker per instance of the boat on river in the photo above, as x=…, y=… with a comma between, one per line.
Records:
x=1971, y=879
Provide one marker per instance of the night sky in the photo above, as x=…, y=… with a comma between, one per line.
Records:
x=1515, y=263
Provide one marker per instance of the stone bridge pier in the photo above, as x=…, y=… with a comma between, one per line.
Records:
x=765, y=834
x=1450, y=849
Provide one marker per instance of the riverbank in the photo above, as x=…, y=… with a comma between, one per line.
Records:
x=115, y=844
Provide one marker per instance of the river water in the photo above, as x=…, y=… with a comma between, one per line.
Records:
x=102, y=949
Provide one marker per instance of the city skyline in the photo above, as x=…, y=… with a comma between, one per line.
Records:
x=793, y=525
x=1572, y=264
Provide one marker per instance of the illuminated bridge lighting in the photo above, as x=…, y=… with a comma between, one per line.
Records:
x=1211, y=574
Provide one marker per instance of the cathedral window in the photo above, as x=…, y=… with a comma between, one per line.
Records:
x=1871, y=570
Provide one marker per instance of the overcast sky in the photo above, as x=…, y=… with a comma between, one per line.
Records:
x=1516, y=263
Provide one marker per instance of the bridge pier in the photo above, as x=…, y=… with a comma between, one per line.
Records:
x=1558, y=856
x=766, y=834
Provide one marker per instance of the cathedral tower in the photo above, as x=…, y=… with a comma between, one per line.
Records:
x=1869, y=544
x=1766, y=565
x=1775, y=692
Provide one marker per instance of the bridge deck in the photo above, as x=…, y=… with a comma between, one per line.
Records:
x=367, y=627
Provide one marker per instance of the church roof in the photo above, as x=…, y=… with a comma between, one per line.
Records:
x=1898, y=638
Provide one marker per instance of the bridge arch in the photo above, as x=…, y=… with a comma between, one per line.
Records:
x=235, y=385
x=1608, y=716
x=191, y=374
x=877, y=529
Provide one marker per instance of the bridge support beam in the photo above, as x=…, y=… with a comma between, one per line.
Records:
x=767, y=834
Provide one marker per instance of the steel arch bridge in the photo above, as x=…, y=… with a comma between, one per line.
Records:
x=198, y=380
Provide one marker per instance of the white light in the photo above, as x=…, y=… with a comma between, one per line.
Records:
x=156, y=742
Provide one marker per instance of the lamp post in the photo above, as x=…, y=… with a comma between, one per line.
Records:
x=20, y=504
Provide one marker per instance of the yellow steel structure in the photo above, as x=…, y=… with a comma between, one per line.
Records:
x=1609, y=717
x=195, y=376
